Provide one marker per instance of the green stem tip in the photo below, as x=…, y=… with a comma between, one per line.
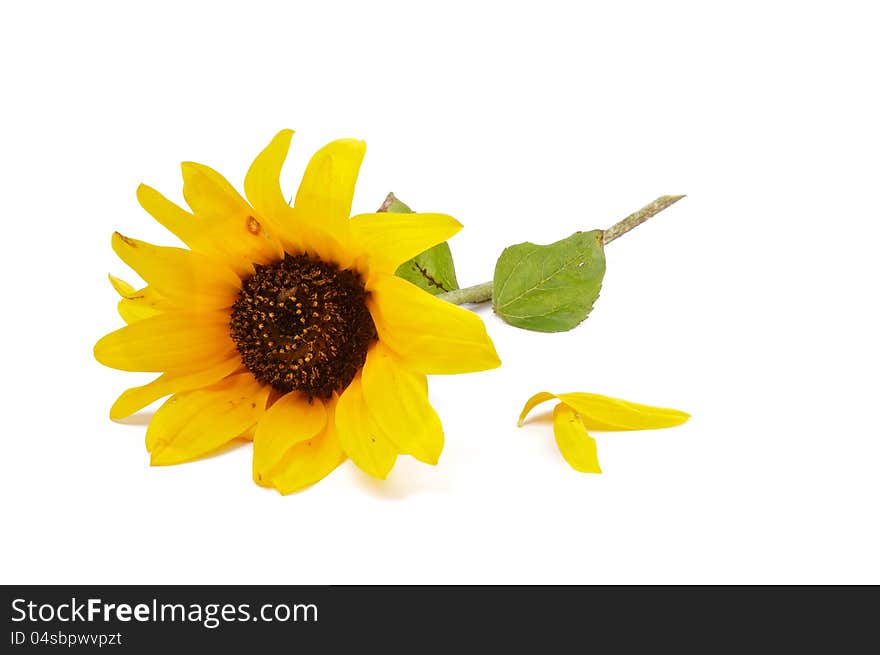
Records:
x=637, y=218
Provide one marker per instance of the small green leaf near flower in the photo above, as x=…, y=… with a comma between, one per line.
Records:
x=433, y=270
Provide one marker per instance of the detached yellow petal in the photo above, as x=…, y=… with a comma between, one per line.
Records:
x=227, y=221
x=311, y=460
x=136, y=398
x=391, y=239
x=578, y=412
x=612, y=414
x=291, y=420
x=183, y=276
x=577, y=447
x=531, y=403
x=193, y=424
x=398, y=401
x=169, y=341
x=429, y=335
x=360, y=437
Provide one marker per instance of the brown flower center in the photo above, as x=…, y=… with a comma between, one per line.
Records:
x=302, y=324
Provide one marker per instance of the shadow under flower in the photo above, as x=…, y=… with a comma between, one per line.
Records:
x=403, y=482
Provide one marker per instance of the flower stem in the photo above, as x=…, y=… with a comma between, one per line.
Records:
x=483, y=292
x=469, y=295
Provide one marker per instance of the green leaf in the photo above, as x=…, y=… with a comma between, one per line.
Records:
x=432, y=270
x=393, y=205
x=549, y=288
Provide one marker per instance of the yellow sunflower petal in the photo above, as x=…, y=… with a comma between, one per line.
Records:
x=262, y=184
x=123, y=288
x=137, y=309
x=612, y=414
x=392, y=239
x=136, y=398
x=327, y=187
x=360, y=437
x=263, y=189
x=427, y=334
x=531, y=403
x=184, y=276
x=134, y=312
x=169, y=341
x=397, y=399
x=228, y=221
x=176, y=413
x=137, y=305
x=175, y=219
x=128, y=292
x=323, y=202
x=577, y=447
x=291, y=420
x=193, y=424
x=309, y=461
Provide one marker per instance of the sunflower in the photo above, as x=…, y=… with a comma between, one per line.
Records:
x=286, y=324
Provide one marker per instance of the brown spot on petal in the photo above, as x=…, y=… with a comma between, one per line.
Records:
x=253, y=225
x=127, y=241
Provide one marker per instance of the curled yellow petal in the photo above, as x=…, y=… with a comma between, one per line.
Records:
x=292, y=419
x=606, y=414
x=360, y=437
x=397, y=399
x=428, y=334
x=613, y=414
x=577, y=447
x=578, y=412
x=531, y=403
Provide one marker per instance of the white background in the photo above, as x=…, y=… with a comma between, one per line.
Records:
x=751, y=304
